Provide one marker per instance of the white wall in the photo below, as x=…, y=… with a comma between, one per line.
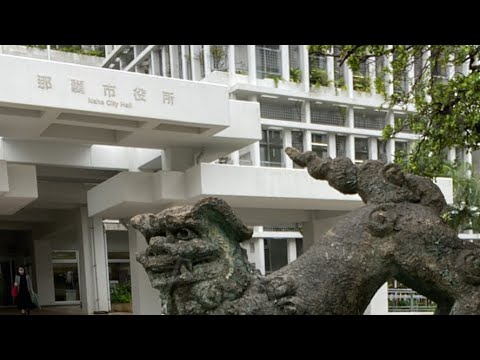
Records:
x=145, y=299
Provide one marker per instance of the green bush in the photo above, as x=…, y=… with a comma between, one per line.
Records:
x=318, y=77
x=121, y=293
x=77, y=49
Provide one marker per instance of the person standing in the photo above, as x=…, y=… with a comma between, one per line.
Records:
x=25, y=291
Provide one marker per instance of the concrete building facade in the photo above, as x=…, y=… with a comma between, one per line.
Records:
x=88, y=142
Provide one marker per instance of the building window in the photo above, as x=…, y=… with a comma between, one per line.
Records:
x=334, y=115
x=369, y=119
x=401, y=82
x=338, y=71
x=382, y=150
x=361, y=149
x=361, y=78
x=320, y=145
x=268, y=61
x=294, y=56
x=289, y=111
x=219, y=57
x=297, y=143
x=271, y=148
x=341, y=145
x=65, y=276
x=118, y=268
x=241, y=59
x=401, y=147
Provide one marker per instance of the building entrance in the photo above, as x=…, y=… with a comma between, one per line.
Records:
x=7, y=276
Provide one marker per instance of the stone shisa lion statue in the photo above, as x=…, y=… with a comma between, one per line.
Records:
x=195, y=260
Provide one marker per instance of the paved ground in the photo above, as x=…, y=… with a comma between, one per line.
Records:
x=53, y=310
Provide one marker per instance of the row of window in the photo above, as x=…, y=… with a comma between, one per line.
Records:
x=272, y=147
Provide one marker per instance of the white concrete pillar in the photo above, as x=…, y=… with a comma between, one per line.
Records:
x=291, y=250
x=372, y=148
x=108, y=49
x=390, y=146
x=207, y=58
x=259, y=251
x=145, y=299
x=305, y=67
x=348, y=74
x=231, y=63
x=44, y=271
x=285, y=62
x=287, y=142
x=410, y=74
x=307, y=140
x=332, y=145
x=350, y=117
x=350, y=147
x=136, y=52
x=121, y=62
x=166, y=161
x=155, y=62
x=132, y=160
x=388, y=75
x=195, y=63
x=379, y=303
x=452, y=154
x=184, y=62
x=371, y=74
x=87, y=283
x=307, y=113
x=467, y=158
x=172, y=57
x=252, y=65
x=100, y=265
x=165, y=60
x=331, y=71
x=450, y=67
x=255, y=153
x=235, y=156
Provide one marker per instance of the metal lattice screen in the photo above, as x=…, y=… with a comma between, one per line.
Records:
x=417, y=67
x=361, y=149
x=341, y=145
x=403, y=117
x=294, y=56
x=297, y=140
x=219, y=57
x=241, y=59
x=369, y=119
x=281, y=111
x=268, y=61
x=271, y=148
x=337, y=69
x=328, y=116
x=318, y=62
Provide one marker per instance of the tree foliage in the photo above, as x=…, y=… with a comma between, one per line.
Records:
x=442, y=98
x=464, y=214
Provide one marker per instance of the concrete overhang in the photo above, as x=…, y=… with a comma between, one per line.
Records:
x=129, y=193
x=18, y=187
x=42, y=99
